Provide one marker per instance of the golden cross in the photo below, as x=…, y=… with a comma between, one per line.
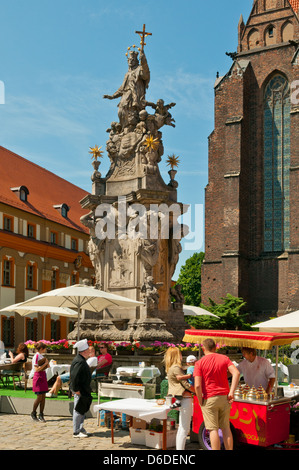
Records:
x=143, y=34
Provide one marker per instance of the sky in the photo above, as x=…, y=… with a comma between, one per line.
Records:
x=59, y=57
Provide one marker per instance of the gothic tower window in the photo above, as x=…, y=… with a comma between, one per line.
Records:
x=276, y=164
x=270, y=36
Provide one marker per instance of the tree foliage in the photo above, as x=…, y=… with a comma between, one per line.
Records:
x=190, y=279
x=230, y=317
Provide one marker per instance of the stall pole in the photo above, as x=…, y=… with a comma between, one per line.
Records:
x=112, y=427
x=276, y=373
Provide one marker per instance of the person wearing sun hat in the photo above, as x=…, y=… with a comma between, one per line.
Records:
x=189, y=373
x=80, y=378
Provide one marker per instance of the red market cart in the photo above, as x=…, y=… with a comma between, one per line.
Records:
x=261, y=423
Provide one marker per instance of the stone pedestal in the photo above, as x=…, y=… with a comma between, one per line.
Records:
x=133, y=218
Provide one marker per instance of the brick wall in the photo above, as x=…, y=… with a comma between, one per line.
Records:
x=234, y=259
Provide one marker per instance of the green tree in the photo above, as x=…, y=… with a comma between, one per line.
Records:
x=190, y=279
x=230, y=317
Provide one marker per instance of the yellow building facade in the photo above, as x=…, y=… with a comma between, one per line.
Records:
x=43, y=245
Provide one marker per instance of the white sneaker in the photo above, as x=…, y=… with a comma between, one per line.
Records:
x=80, y=434
x=51, y=395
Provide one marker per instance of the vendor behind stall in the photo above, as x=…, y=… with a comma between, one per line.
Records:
x=256, y=370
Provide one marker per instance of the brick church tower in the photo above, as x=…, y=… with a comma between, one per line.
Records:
x=252, y=196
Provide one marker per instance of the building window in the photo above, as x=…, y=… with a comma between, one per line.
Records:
x=71, y=326
x=75, y=278
x=31, y=277
x=63, y=209
x=74, y=244
x=8, y=223
x=277, y=165
x=54, y=279
x=23, y=195
x=31, y=329
x=8, y=272
x=55, y=330
x=22, y=192
x=54, y=238
x=31, y=231
x=8, y=331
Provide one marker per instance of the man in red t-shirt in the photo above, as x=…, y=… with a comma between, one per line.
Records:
x=214, y=393
x=104, y=360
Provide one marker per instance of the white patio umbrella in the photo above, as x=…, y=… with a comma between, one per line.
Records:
x=195, y=311
x=80, y=296
x=28, y=310
x=24, y=311
x=284, y=324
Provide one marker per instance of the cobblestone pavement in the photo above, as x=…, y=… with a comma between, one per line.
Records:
x=19, y=432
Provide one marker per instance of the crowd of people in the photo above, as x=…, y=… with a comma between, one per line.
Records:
x=213, y=379
x=84, y=367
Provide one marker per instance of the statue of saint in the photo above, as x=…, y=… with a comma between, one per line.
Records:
x=133, y=90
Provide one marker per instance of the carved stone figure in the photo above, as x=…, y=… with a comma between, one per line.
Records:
x=138, y=259
x=162, y=114
x=150, y=293
x=132, y=91
x=176, y=292
x=149, y=252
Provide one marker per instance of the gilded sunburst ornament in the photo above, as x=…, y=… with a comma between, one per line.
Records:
x=151, y=143
x=173, y=161
x=96, y=152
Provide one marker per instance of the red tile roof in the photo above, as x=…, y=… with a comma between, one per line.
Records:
x=294, y=5
x=45, y=190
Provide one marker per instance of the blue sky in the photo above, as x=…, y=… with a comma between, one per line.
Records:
x=58, y=58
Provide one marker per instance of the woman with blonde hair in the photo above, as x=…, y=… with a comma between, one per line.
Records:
x=180, y=389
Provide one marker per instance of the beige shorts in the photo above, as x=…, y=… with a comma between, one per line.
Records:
x=216, y=411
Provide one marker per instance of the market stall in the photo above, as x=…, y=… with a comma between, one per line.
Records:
x=130, y=382
x=143, y=409
x=255, y=417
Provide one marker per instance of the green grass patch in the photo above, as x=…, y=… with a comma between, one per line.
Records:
x=20, y=393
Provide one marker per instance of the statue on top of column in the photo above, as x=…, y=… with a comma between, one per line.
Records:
x=133, y=89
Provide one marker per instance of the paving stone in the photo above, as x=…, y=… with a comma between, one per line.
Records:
x=19, y=432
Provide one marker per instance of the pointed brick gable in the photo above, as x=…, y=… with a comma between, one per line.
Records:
x=45, y=190
x=272, y=23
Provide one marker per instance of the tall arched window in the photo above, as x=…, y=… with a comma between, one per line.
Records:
x=276, y=164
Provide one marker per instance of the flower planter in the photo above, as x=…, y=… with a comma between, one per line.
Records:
x=61, y=351
x=143, y=352
x=124, y=353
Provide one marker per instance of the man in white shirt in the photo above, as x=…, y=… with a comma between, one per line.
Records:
x=256, y=370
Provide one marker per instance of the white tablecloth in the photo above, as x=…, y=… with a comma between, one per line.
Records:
x=52, y=370
x=145, y=373
x=290, y=391
x=138, y=408
x=57, y=369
